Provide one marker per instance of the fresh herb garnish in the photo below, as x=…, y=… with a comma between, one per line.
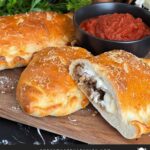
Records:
x=10, y=7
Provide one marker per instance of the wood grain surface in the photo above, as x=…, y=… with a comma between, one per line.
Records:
x=85, y=125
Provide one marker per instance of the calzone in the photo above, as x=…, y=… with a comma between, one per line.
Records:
x=23, y=34
x=45, y=86
x=147, y=61
x=117, y=83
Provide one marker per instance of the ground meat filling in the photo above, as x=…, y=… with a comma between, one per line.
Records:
x=89, y=83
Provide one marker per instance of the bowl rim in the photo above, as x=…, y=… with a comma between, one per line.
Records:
x=105, y=40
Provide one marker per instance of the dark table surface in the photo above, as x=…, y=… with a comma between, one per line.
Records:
x=12, y=133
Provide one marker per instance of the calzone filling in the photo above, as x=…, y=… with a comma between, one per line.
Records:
x=94, y=87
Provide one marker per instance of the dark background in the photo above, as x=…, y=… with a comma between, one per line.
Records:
x=12, y=133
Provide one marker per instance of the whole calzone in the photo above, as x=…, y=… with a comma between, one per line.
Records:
x=45, y=86
x=23, y=34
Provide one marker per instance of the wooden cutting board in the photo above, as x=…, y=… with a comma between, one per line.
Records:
x=85, y=125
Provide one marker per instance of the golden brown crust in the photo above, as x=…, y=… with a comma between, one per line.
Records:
x=46, y=88
x=146, y=60
x=24, y=34
x=127, y=73
x=130, y=79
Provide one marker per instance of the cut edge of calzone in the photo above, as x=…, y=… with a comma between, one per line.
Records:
x=117, y=83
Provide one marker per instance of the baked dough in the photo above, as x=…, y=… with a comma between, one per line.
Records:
x=45, y=86
x=117, y=83
x=146, y=60
x=24, y=34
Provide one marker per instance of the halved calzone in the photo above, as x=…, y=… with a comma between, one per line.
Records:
x=117, y=83
x=23, y=34
x=45, y=86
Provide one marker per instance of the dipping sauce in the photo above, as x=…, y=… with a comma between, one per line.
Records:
x=119, y=27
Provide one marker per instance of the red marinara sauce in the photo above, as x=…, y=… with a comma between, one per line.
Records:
x=119, y=27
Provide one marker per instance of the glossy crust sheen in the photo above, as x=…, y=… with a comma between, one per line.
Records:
x=45, y=86
x=24, y=34
x=130, y=80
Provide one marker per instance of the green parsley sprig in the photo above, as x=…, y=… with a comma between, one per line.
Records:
x=10, y=7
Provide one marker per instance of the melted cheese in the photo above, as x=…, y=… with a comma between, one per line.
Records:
x=108, y=102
